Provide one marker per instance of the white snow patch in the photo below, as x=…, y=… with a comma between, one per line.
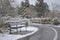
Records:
x=15, y=37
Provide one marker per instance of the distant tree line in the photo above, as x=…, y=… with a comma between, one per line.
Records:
x=5, y=6
x=23, y=6
x=41, y=7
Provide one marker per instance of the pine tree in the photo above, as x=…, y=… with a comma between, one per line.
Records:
x=41, y=7
x=27, y=3
x=24, y=5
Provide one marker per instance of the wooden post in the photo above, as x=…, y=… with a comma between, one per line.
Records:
x=26, y=25
x=16, y=28
x=10, y=30
x=9, y=27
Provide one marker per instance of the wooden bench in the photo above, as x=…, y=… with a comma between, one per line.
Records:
x=16, y=27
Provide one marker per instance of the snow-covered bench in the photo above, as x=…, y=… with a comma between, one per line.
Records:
x=15, y=25
x=16, y=37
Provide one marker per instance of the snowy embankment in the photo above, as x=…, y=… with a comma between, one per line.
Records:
x=15, y=37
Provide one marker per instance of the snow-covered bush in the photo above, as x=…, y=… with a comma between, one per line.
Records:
x=46, y=21
x=55, y=22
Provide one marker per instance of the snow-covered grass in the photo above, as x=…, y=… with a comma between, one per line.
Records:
x=15, y=37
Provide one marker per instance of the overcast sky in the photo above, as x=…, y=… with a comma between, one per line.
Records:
x=49, y=2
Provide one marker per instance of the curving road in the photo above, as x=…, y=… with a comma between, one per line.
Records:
x=56, y=33
x=58, y=30
x=48, y=33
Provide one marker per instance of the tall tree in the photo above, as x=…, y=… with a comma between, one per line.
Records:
x=21, y=9
x=56, y=7
x=27, y=3
x=55, y=11
x=24, y=5
x=41, y=7
x=6, y=7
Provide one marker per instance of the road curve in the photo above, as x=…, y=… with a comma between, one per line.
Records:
x=49, y=26
x=57, y=27
x=56, y=33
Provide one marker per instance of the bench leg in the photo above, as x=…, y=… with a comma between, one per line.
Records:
x=20, y=29
x=17, y=30
x=10, y=31
x=26, y=29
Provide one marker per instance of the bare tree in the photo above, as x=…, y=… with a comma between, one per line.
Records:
x=7, y=7
x=55, y=9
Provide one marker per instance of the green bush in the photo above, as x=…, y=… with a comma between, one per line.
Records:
x=55, y=22
x=42, y=21
x=46, y=21
x=4, y=25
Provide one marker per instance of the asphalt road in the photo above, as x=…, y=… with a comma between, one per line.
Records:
x=44, y=33
x=48, y=34
x=58, y=30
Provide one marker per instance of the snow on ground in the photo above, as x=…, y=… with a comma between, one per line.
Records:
x=15, y=37
x=27, y=28
x=58, y=26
